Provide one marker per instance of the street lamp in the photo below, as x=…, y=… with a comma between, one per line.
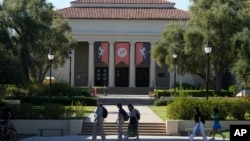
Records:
x=174, y=56
x=70, y=54
x=208, y=50
x=51, y=57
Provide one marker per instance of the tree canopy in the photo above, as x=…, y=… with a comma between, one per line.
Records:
x=222, y=23
x=32, y=28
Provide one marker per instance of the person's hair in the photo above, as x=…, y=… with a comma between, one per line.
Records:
x=197, y=110
x=130, y=105
x=119, y=105
x=216, y=110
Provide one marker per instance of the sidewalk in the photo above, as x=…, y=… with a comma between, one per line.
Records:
x=114, y=138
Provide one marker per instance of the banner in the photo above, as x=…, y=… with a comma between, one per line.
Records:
x=121, y=53
x=101, y=52
x=142, y=52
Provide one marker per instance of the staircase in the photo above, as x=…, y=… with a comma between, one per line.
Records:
x=145, y=129
x=127, y=100
x=124, y=90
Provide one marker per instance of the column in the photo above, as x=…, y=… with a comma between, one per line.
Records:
x=73, y=69
x=111, y=64
x=91, y=64
x=152, y=68
x=132, y=65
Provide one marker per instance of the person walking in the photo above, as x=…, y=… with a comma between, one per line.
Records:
x=216, y=126
x=122, y=116
x=199, y=125
x=133, y=122
x=98, y=122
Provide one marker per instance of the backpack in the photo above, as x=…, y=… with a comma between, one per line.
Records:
x=203, y=120
x=105, y=112
x=125, y=115
x=137, y=113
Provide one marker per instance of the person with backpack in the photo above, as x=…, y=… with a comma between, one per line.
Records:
x=133, y=123
x=198, y=125
x=122, y=116
x=98, y=122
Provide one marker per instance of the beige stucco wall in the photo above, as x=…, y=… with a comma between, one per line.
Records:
x=71, y=127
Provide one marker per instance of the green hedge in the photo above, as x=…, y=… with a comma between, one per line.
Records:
x=48, y=111
x=193, y=93
x=62, y=100
x=182, y=107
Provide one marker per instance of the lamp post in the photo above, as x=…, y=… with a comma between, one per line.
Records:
x=208, y=50
x=70, y=54
x=174, y=56
x=51, y=57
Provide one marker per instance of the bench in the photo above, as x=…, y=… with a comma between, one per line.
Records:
x=207, y=131
x=41, y=131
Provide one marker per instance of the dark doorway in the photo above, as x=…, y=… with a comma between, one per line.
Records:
x=101, y=76
x=142, y=77
x=121, y=77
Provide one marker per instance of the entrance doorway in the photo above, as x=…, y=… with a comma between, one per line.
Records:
x=101, y=76
x=142, y=77
x=121, y=77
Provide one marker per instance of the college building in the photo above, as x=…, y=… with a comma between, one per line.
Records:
x=115, y=39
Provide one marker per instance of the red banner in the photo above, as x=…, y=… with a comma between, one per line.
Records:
x=139, y=57
x=105, y=55
x=121, y=53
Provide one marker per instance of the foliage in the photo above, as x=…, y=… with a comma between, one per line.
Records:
x=34, y=29
x=47, y=111
x=182, y=108
x=162, y=101
x=193, y=93
x=225, y=25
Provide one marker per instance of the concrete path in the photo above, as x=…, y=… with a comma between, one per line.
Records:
x=147, y=115
x=114, y=138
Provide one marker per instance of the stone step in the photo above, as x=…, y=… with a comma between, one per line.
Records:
x=147, y=129
x=123, y=90
x=126, y=101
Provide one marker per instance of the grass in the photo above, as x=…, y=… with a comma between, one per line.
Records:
x=225, y=133
x=161, y=111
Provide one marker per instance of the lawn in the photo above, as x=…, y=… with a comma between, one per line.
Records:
x=160, y=111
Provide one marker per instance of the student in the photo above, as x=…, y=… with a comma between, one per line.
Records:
x=122, y=116
x=98, y=122
x=217, y=126
x=133, y=123
x=199, y=125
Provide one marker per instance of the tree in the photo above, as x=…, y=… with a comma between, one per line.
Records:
x=216, y=21
x=35, y=28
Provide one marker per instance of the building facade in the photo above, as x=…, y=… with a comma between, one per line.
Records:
x=115, y=39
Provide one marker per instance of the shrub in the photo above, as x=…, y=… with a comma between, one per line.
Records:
x=239, y=108
x=162, y=101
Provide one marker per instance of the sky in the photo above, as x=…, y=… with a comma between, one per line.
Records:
x=180, y=4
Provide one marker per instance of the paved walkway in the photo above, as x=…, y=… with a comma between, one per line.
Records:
x=114, y=138
x=147, y=116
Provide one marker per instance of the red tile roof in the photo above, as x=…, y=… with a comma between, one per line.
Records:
x=122, y=11
x=123, y=1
